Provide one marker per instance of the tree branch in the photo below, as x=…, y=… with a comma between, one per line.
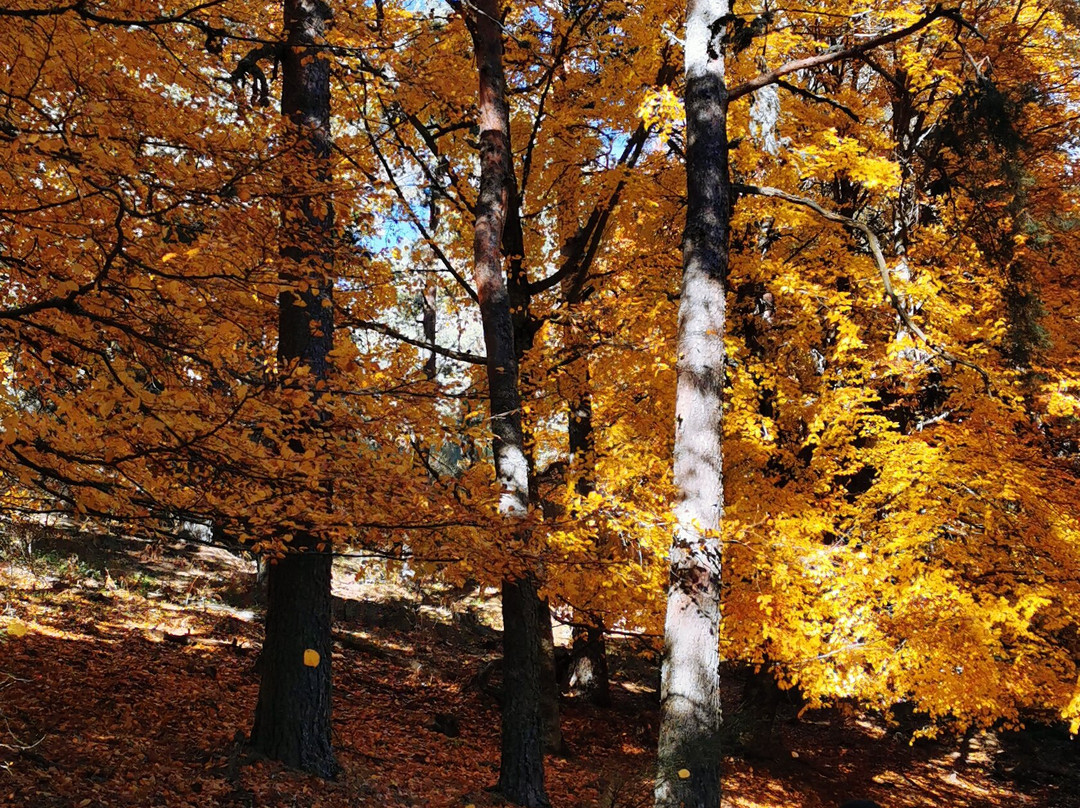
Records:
x=879, y=260
x=428, y=237
x=449, y=353
x=580, y=250
x=802, y=92
x=771, y=77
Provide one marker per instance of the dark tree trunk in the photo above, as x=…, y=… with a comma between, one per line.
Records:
x=688, y=759
x=525, y=327
x=588, y=675
x=579, y=431
x=292, y=717
x=760, y=704
x=588, y=666
x=429, y=298
x=427, y=304
x=554, y=743
x=511, y=466
x=521, y=775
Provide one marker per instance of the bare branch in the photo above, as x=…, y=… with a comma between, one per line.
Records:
x=449, y=353
x=802, y=92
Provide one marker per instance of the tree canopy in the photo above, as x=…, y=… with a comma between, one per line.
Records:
x=901, y=360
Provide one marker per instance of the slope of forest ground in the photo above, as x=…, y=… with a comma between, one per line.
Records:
x=135, y=679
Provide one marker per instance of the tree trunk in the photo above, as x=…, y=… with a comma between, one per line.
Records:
x=588, y=666
x=292, y=717
x=427, y=305
x=588, y=679
x=525, y=326
x=554, y=743
x=760, y=705
x=521, y=774
x=688, y=758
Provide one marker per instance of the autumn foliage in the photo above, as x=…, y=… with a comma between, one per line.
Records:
x=900, y=437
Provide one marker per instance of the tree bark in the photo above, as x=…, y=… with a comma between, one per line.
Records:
x=292, y=717
x=521, y=770
x=588, y=679
x=554, y=742
x=589, y=671
x=588, y=666
x=688, y=760
x=521, y=773
x=761, y=703
x=525, y=326
x=427, y=305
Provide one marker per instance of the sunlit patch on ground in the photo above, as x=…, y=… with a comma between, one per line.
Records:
x=125, y=692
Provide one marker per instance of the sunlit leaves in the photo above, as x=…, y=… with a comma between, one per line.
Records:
x=894, y=532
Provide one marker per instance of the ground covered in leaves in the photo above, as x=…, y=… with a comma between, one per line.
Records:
x=129, y=680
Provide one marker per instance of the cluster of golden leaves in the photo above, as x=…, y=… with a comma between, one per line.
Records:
x=895, y=531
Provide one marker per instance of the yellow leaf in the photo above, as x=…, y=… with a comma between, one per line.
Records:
x=16, y=629
x=311, y=658
x=684, y=774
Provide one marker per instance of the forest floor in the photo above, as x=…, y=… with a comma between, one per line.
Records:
x=129, y=680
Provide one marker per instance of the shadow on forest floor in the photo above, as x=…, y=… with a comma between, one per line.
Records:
x=137, y=678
